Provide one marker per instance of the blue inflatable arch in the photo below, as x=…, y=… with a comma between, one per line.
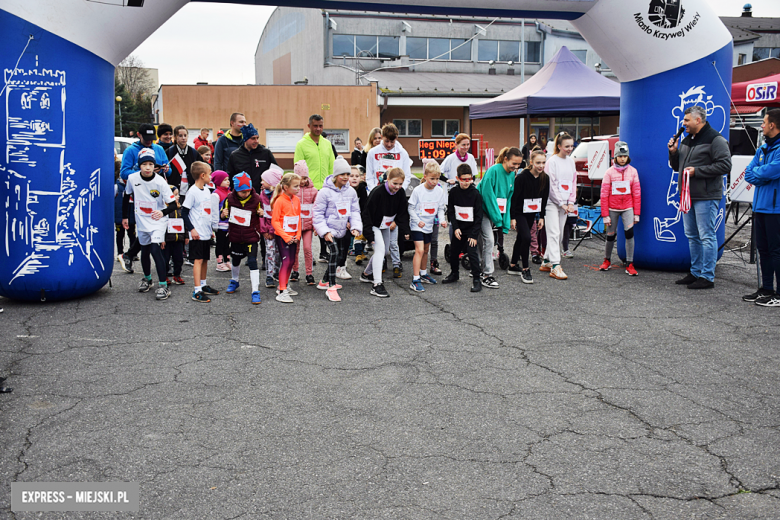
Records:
x=57, y=115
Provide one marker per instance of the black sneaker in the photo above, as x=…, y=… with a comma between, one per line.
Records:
x=536, y=259
x=526, y=277
x=397, y=272
x=208, y=290
x=687, y=280
x=476, y=285
x=310, y=280
x=756, y=295
x=162, y=292
x=295, y=276
x=435, y=267
x=489, y=282
x=772, y=300
x=144, y=285
x=127, y=264
x=451, y=278
x=365, y=278
x=701, y=283
x=514, y=270
x=380, y=291
x=200, y=297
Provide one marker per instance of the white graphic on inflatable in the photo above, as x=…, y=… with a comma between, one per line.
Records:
x=716, y=116
x=49, y=207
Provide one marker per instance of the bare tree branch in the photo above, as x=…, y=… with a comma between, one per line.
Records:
x=132, y=74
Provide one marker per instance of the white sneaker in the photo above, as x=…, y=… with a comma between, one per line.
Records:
x=284, y=297
x=342, y=274
x=567, y=254
x=291, y=292
x=558, y=274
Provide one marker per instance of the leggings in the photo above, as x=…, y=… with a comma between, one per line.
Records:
x=382, y=238
x=628, y=226
x=523, y=242
x=570, y=221
x=308, y=259
x=337, y=257
x=120, y=236
x=487, y=246
x=271, y=257
x=174, y=250
x=135, y=248
x=155, y=251
x=287, y=254
x=223, y=245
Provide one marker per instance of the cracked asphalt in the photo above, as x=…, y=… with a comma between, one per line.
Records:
x=601, y=397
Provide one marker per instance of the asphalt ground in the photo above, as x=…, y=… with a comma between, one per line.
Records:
x=602, y=397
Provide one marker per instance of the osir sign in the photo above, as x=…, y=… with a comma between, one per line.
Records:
x=762, y=91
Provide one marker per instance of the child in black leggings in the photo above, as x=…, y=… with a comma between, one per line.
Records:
x=528, y=199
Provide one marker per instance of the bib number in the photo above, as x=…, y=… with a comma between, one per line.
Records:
x=575, y=212
x=240, y=217
x=386, y=221
x=621, y=188
x=532, y=205
x=145, y=208
x=306, y=210
x=267, y=212
x=175, y=225
x=501, y=205
x=290, y=224
x=464, y=214
x=342, y=210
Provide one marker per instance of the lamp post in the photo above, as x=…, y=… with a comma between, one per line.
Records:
x=119, y=104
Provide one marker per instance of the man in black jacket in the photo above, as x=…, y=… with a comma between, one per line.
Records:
x=704, y=156
x=359, y=154
x=251, y=157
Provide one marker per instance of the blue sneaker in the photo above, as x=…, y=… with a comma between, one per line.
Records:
x=232, y=287
x=256, y=298
x=270, y=282
x=417, y=286
x=426, y=278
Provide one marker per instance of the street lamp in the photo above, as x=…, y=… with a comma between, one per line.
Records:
x=119, y=101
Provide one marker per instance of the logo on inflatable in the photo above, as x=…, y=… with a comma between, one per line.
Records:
x=666, y=14
x=762, y=91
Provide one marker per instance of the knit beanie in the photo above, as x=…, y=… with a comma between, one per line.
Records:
x=340, y=166
x=301, y=169
x=273, y=175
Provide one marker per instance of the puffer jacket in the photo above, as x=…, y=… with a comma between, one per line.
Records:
x=244, y=234
x=284, y=207
x=266, y=226
x=307, y=194
x=327, y=217
x=763, y=172
x=621, y=202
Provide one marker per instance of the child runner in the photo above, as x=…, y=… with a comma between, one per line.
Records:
x=563, y=194
x=621, y=198
x=357, y=179
x=530, y=197
x=205, y=153
x=243, y=209
x=175, y=238
x=218, y=196
x=336, y=219
x=269, y=179
x=197, y=220
x=286, y=207
x=496, y=189
x=427, y=202
x=464, y=212
x=386, y=210
x=150, y=193
x=307, y=194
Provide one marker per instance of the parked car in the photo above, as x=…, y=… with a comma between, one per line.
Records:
x=121, y=144
x=589, y=191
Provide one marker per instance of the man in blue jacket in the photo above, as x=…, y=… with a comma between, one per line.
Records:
x=146, y=136
x=763, y=172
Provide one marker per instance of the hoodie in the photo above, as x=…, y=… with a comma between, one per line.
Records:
x=497, y=187
x=380, y=159
x=334, y=208
x=464, y=210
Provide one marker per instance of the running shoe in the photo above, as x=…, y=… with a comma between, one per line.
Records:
x=630, y=270
x=756, y=295
x=546, y=267
x=426, y=278
x=514, y=270
x=284, y=297
x=200, y=297
x=606, y=265
x=435, y=267
x=310, y=280
x=291, y=292
x=380, y=291
x=187, y=262
x=178, y=280
x=144, y=285
x=333, y=294
x=417, y=286
x=489, y=282
x=526, y=277
x=295, y=276
x=208, y=290
x=127, y=264
x=162, y=292
x=567, y=254
x=769, y=301
x=342, y=274
x=397, y=272
x=537, y=259
x=323, y=286
x=323, y=259
x=270, y=282
x=256, y=298
x=232, y=287
x=365, y=278
x=558, y=274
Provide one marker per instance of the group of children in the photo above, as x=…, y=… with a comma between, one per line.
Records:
x=287, y=210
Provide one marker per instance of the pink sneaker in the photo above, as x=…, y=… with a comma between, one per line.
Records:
x=333, y=294
x=223, y=267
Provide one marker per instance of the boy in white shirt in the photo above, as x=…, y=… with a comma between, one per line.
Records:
x=154, y=201
x=196, y=212
x=428, y=201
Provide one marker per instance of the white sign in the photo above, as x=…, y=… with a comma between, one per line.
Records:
x=741, y=190
x=339, y=139
x=598, y=159
x=282, y=140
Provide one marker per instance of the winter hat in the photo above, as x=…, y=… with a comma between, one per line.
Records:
x=242, y=182
x=273, y=175
x=218, y=177
x=340, y=166
x=621, y=149
x=301, y=169
x=164, y=128
x=248, y=131
x=146, y=131
x=146, y=155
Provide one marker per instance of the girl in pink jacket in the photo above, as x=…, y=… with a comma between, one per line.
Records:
x=307, y=194
x=621, y=198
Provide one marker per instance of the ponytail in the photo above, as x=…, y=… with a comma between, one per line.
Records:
x=286, y=181
x=507, y=153
x=560, y=138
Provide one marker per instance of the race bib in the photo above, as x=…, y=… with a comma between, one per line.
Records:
x=175, y=225
x=532, y=205
x=145, y=208
x=574, y=212
x=306, y=210
x=565, y=191
x=429, y=208
x=621, y=188
x=241, y=217
x=501, y=205
x=342, y=210
x=207, y=210
x=290, y=224
x=267, y=210
x=464, y=214
x=386, y=221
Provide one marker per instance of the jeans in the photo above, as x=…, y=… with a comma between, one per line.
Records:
x=699, y=225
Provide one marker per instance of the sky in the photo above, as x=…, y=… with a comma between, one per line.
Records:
x=216, y=43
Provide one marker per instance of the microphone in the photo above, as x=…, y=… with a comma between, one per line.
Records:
x=678, y=134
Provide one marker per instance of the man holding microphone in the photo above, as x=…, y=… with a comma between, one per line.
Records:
x=703, y=158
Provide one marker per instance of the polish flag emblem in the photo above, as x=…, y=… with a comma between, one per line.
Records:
x=464, y=215
x=343, y=211
x=305, y=212
x=501, y=208
x=533, y=206
x=148, y=211
x=178, y=228
x=240, y=220
x=207, y=211
x=621, y=190
x=565, y=187
x=430, y=211
x=293, y=226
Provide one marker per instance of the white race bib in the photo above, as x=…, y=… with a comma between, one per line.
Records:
x=290, y=224
x=464, y=214
x=306, y=210
x=386, y=221
x=565, y=191
x=621, y=188
x=175, y=225
x=501, y=205
x=241, y=217
x=342, y=210
x=145, y=208
x=267, y=210
x=573, y=213
x=532, y=205
x=429, y=208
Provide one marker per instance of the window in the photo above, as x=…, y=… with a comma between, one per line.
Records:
x=509, y=51
x=365, y=46
x=343, y=45
x=445, y=127
x=504, y=50
x=577, y=127
x=487, y=50
x=438, y=49
x=533, y=52
x=408, y=127
x=581, y=55
x=762, y=53
x=417, y=48
x=461, y=50
x=742, y=58
x=388, y=46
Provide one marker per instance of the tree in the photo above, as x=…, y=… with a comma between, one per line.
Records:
x=132, y=74
x=135, y=110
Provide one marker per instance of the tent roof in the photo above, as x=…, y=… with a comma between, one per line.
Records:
x=739, y=92
x=564, y=85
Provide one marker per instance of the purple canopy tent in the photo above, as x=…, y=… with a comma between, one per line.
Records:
x=564, y=85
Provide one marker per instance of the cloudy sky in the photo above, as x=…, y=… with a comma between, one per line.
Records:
x=216, y=43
